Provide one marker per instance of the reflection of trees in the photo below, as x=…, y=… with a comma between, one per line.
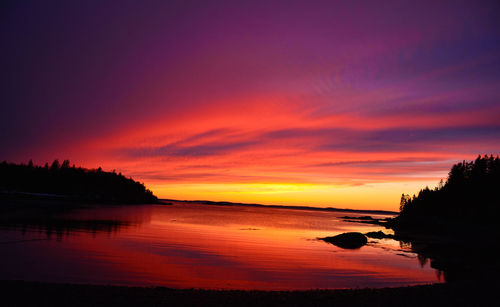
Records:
x=59, y=227
x=454, y=225
x=469, y=193
x=439, y=275
x=422, y=260
x=456, y=261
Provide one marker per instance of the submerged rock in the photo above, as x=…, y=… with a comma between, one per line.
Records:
x=378, y=235
x=349, y=240
x=365, y=218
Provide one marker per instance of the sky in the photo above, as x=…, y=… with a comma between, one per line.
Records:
x=343, y=104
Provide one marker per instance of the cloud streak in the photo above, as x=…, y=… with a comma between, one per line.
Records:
x=322, y=139
x=326, y=94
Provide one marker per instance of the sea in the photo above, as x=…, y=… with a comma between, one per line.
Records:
x=197, y=245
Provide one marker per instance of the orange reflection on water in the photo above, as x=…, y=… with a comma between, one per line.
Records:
x=202, y=246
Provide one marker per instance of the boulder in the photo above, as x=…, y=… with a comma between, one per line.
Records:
x=349, y=240
x=378, y=235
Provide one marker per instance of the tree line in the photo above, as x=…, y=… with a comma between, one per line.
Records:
x=469, y=195
x=74, y=182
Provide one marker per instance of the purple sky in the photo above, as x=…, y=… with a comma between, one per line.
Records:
x=190, y=90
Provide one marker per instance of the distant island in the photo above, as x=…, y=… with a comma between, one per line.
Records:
x=310, y=208
x=65, y=181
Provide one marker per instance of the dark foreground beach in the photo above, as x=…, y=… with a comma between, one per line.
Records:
x=20, y=293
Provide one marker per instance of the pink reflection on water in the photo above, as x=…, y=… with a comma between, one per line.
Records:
x=204, y=246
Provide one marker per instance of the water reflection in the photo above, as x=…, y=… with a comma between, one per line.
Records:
x=457, y=260
x=452, y=257
x=206, y=246
x=64, y=227
x=63, y=222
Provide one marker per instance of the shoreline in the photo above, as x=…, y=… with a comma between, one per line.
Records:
x=24, y=293
x=311, y=208
x=28, y=198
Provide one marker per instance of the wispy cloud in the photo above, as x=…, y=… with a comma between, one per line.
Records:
x=317, y=92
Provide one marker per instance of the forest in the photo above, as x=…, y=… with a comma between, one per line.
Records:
x=469, y=196
x=74, y=183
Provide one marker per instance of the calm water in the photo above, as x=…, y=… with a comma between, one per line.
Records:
x=204, y=246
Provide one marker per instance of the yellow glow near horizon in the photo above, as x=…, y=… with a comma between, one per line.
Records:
x=382, y=196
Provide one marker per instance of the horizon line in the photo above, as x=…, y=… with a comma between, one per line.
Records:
x=312, y=208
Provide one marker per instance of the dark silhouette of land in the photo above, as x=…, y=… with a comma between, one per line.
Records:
x=71, y=183
x=348, y=240
x=455, y=225
x=468, y=197
x=19, y=293
x=310, y=208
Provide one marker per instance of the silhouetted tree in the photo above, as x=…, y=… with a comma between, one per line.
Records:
x=470, y=192
x=73, y=182
x=405, y=199
x=55, y=165
x=455, y=225
x=65, y=164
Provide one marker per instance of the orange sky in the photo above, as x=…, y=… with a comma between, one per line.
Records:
x=271, y=154
x=321, y=103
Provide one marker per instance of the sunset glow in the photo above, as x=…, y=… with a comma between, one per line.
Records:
x=330, y=104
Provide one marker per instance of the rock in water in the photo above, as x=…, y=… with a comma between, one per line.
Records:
x=350, y=240
x=378, y=235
